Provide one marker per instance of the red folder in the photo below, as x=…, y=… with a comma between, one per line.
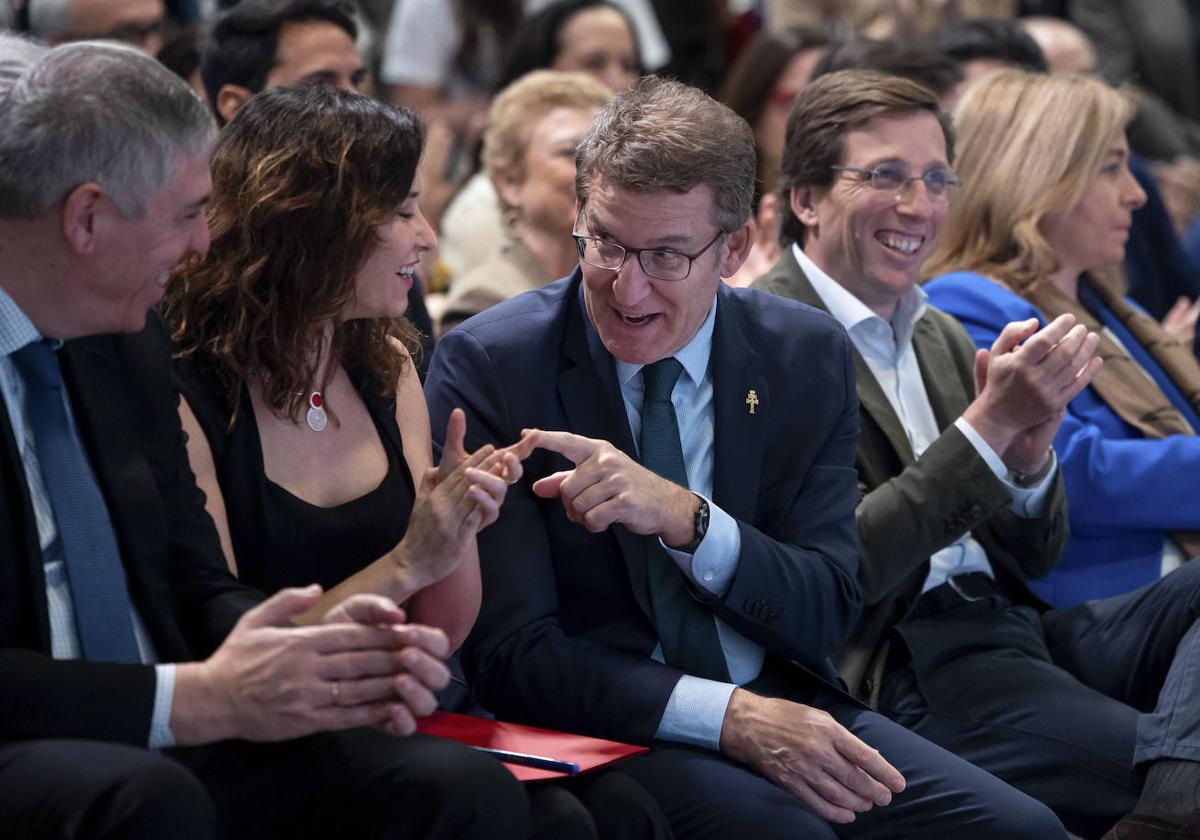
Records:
x=588, y=753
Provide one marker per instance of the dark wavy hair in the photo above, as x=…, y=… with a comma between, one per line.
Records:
x=302, y=177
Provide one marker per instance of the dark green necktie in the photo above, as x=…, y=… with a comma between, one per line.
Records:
x=685, y=629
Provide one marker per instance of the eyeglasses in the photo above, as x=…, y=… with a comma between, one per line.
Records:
x=659, y=263
x=938, y=182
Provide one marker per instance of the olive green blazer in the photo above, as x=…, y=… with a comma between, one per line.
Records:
x=912, y=508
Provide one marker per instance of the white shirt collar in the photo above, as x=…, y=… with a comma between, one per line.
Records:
x=16, y=330
x=850, y=312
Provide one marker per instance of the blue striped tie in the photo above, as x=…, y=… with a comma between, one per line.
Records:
x=685, y=629
x=94, y=573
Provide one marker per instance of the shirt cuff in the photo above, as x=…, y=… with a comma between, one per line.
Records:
x=715, y=562
x=161, y=735
x=1027, y=502
x=1030, y=502
x=695, y=713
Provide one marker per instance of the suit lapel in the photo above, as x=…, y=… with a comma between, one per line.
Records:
x=875, y=403
x=94, y=382
x=870, y=396
x=22, y=541
x=935, y=361
x=738, y=435
x=591, y=400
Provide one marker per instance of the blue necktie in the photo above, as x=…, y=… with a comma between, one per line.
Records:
x=685, y=629
x=93, y=563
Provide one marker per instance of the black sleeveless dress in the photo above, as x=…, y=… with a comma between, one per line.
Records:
x=279, y=539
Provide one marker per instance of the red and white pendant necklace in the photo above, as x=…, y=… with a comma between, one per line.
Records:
x=316, y=417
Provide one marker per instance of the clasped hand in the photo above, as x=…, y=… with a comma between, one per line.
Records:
x=608, y=487
x=270, y=680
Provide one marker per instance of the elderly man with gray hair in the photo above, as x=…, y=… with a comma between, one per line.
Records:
x=678, y=563
x=134, y=669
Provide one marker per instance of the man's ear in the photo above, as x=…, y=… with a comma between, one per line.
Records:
x=802, y=202
x=737, y=247
x=508, y=187
x=230, y=99
x=79, y=211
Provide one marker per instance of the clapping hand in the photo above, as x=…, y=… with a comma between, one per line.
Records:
x=456, y=500
x=1180, y=321
x=503, y=464
x=1023, y=384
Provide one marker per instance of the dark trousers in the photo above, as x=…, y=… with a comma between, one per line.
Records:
x=707, y=796
x=601, y=805
x=354, y=784
x=1067, y=706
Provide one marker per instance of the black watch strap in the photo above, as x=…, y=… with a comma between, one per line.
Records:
x=699, y=527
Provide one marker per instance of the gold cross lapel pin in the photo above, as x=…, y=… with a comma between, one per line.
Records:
x=752, y=399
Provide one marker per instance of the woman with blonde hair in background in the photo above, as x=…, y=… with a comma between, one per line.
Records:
x=1039, y=230
x=533, y=128
x=596, y=37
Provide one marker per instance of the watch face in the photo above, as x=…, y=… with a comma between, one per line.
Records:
x=701, y=519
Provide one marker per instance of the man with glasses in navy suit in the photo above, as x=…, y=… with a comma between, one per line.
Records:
x=679, y=562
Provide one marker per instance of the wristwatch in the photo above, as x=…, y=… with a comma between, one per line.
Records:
x=1027, y=480
x=699, y=528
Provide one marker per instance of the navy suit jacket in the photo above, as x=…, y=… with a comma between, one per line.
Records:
x=126, y=410
x=564, y=636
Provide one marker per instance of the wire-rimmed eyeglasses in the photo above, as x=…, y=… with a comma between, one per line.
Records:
x=659, y=263
x=938, y=182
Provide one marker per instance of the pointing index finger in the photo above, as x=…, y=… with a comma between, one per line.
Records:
x=524, y=447
x=574, y=448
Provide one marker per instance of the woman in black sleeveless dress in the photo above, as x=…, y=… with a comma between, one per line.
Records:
x=308, y=430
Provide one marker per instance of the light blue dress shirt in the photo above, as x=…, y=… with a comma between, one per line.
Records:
x=16, y=331
x=888, y=350
x=696, y=709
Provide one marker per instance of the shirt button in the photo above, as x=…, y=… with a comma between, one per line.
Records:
x=708, y=576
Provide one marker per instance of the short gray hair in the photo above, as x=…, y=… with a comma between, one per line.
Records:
x=17, y=54
x=665, y=136
x=91, y=112
x=49, y=17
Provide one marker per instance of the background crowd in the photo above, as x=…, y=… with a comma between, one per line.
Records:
x=449, y=60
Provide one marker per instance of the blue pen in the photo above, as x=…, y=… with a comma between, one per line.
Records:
x=540, y=762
